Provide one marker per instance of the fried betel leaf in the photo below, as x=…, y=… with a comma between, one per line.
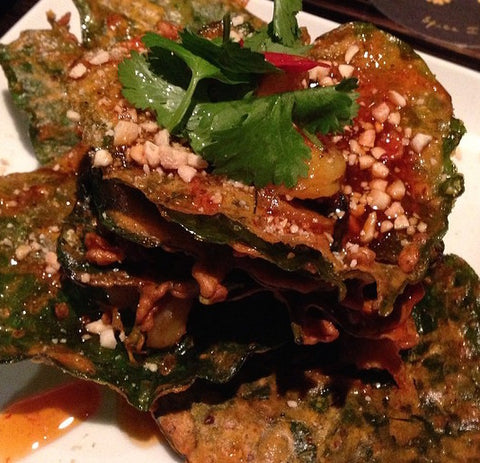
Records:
x=305, y=410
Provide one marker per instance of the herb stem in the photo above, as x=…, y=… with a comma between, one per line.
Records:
x=182, y=108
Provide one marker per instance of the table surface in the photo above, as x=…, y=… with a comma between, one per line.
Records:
x=337, y=10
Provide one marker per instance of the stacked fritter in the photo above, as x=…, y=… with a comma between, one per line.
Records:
x=139, y=258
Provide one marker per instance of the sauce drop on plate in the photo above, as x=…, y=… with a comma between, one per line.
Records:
x=31, y=423
x=139, y=426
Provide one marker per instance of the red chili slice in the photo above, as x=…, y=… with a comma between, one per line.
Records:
x=290, y=63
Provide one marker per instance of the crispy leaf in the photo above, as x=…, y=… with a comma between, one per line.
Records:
x=134, y=18
x=44, y=317
x=364, y=415
x=33, y=66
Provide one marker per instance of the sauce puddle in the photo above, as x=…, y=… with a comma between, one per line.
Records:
x=139, y=426
x=29, y=424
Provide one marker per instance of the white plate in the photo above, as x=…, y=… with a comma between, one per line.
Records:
x=100, y=438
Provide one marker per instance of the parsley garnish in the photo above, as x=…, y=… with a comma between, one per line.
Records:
x=203, y=91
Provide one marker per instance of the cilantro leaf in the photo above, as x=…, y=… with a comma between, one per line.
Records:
x=251, y=140
x=282, y=34
x=146, y=90
x=199, y=67
x=326, y=109
x=227, y=63
x=284, y=27
x=235, y=61
x=262, y=41
x=254, y=140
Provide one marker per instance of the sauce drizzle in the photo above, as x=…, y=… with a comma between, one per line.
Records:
x=31, y=423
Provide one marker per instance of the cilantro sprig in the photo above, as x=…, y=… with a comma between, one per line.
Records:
x=147, y=90
x=254, y=140
x=203, y=92
x=284, y=27
x=227, y=62
x=251, y=140
x=282, y=34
